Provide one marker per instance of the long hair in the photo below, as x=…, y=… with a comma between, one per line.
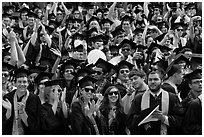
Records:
x=104, y=108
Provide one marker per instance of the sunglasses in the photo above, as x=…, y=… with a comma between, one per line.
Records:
x=125, y=49
x=5, y=74
x=58, y=90
x=69, y=71
x=179, y=29
x=98, y=72
x=111, y=93
x=89, y=89
x=122, y=71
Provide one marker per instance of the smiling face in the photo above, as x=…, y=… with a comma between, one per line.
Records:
x=113, y=95
x=22, y=84
x=123, y=74
x=87, y=92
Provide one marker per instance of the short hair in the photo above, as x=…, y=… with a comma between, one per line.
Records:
x=137, y=72
x=156, y=72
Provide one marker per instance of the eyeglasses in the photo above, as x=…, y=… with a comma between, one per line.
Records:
x=5, y=74
x=76, y=13
x=125, y=49
x=98, y=72
x=69, y=71
x=89, y=89
x=111, y=93
x=122, y=71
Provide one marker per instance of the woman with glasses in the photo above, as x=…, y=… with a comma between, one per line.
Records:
x=54, y=112
x=84, y=111
x=112, y=113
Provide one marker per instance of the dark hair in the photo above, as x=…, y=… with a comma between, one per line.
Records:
x=156, y=72
x=136, y=72
x=104, y=108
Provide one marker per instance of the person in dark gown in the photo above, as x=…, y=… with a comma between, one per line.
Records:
x=168, y=119
x=54, y=112
x=21, y=109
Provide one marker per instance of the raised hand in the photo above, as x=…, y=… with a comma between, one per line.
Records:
x=6, y=104
x=63, y=95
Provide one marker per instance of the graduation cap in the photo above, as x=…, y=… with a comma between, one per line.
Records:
x=124, y=64
x=43, y=76
x=152, y=46
x=144, y=114
x=172, y=69
x=21, y=72
x=68, y=63
x=87, y=81
x=196, y=74
x=103, y=21
x=105, y=65
x=125, y=42
x=127, y=18
x=160, y=37
x=49, y=29
x=118, y=32
x=32, y=14
x=6, y=66
x=97, y=38
x=61, y=82
x=162, y=65
x=181, y=50
x=181, y=58
x=24, y=9
x=18, y=30
x=164, y=48
x=37, y=69
x=98, y=11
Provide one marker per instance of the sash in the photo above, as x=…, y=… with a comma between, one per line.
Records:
x=145, y=103
x=17, y=125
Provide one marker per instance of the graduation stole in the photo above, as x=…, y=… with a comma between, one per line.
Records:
x=17, y=125
x=145, y=103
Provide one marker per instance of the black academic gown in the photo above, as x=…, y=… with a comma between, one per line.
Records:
x=32, y=110
x=52, y=124
x=193, y=118
x=80, y=124
x=118, y=128
x=168, y=87
x=174, y=114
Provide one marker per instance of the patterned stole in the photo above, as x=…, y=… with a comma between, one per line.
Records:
x=17, y=125
x=145, y=103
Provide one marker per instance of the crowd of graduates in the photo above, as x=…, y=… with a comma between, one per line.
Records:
x=102, y=68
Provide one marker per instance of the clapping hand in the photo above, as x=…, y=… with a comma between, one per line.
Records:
x=6, y=104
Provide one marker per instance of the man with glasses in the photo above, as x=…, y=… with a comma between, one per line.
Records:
x=195, y=83
x=123, y=70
